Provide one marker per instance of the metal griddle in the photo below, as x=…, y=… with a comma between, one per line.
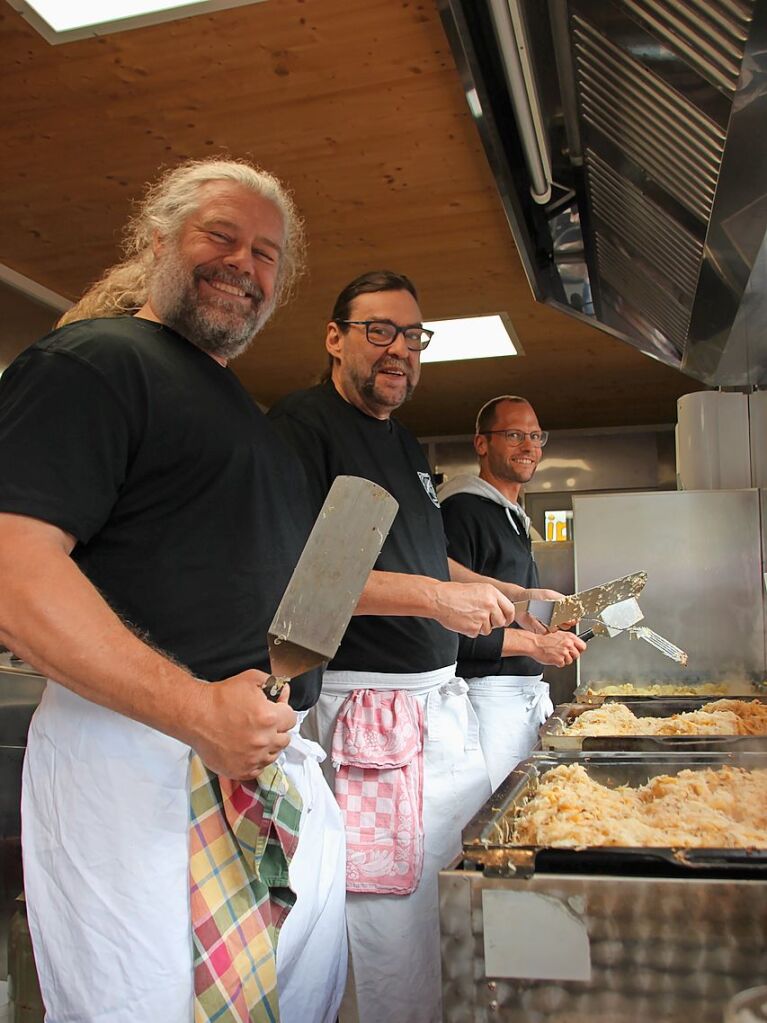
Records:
x=552, y=735
x=488, y=839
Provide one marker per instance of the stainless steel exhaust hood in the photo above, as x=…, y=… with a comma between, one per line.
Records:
x=628, y=139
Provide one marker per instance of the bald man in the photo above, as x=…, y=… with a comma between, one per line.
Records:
x=489, y=532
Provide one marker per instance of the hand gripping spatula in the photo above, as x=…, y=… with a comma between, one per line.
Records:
x=331, y=573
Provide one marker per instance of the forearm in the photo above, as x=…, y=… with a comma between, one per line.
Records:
x=52, y=617
x=469, y=608
x=396, y=593
x=461, y=574
x=519, y=643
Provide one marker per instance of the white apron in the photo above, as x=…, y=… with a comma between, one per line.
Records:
x=510, y=709
x=105, y=841
x=394, y=940
x=312, y=947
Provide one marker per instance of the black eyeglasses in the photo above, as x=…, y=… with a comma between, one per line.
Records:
x=516, y=437
x=383, y=333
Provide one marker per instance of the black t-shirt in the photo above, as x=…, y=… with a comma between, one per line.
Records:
x=481, y=537
x=334, y=438
x=189, y=511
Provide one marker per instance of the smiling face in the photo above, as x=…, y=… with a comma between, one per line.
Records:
x=214, y=283
x=505, y=465
x=376, y=380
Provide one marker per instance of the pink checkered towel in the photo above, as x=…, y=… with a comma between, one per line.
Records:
x=378, y=755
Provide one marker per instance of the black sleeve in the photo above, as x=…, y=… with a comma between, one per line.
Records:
x=464, y=539
x=65, y=442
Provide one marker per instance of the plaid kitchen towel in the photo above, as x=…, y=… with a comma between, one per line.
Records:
x=378, y=755
x=242, y=838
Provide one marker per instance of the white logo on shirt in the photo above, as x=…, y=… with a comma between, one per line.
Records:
x=428, y=486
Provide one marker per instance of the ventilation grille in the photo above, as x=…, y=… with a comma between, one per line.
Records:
x=710, y=35
x=647, y=295
x=669, y=138
x=621, y=211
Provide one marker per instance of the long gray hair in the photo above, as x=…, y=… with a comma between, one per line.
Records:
x=124, y=288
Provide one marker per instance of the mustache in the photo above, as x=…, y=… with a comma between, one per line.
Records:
x=241, y=281
x=392, y=362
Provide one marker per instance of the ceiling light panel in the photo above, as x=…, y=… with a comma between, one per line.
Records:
x=471, y=337
x=61, y=21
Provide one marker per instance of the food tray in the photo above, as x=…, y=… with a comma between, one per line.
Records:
x=487, y=843
x=552, y=737
x=595, y=692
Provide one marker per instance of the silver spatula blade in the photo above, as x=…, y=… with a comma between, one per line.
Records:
x=329, y=577
x=587, y=603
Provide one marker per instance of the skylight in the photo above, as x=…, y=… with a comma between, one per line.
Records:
x=471, y=337
x=60, y=21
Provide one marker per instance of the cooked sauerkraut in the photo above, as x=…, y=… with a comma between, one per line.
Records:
x=655, y=689
x=721, y=808
x=720, y=717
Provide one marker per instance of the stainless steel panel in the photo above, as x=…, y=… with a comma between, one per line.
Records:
x=619, y=459
x=580, y=460
x=656, y=126
x=709, y=34
x=619, y=206
x=705, y=593
x=661, y=950
x=650, y=298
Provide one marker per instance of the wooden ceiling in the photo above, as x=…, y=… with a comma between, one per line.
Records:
x=357, y=105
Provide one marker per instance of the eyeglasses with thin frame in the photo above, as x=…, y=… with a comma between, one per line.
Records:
x=516, y=437
x=383, y=333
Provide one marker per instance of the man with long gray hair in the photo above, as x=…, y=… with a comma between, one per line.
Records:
x=150, y=518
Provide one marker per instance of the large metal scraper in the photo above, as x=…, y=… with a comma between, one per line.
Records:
x=331, y=573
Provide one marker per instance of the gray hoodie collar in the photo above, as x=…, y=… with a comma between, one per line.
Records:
x=481, y=488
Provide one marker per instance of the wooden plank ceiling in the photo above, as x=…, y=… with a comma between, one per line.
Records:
x=357, y=105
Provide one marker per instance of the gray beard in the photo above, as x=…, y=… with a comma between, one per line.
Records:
x=367, y=387
x=216, y=326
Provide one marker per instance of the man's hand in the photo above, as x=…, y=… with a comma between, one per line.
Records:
x=471, y=608
x=545, y=595
x=558, y=648
x=238, y=731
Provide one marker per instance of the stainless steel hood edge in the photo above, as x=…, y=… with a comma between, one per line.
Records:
x=656, y=121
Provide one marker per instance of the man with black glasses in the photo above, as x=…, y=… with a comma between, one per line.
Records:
x=396, y=720
x=489, y=532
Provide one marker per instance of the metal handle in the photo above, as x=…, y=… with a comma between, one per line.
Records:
x=273, y=687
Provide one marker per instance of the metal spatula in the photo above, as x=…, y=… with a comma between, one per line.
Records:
x=587, y=603
x=331, y=573
x=614, y=620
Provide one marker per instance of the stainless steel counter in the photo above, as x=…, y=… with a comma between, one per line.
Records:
x=612, y=935
x=598, y=949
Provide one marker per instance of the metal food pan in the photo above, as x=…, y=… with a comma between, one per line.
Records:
x=596, y=692
x=488, y=842
x=552, y=735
